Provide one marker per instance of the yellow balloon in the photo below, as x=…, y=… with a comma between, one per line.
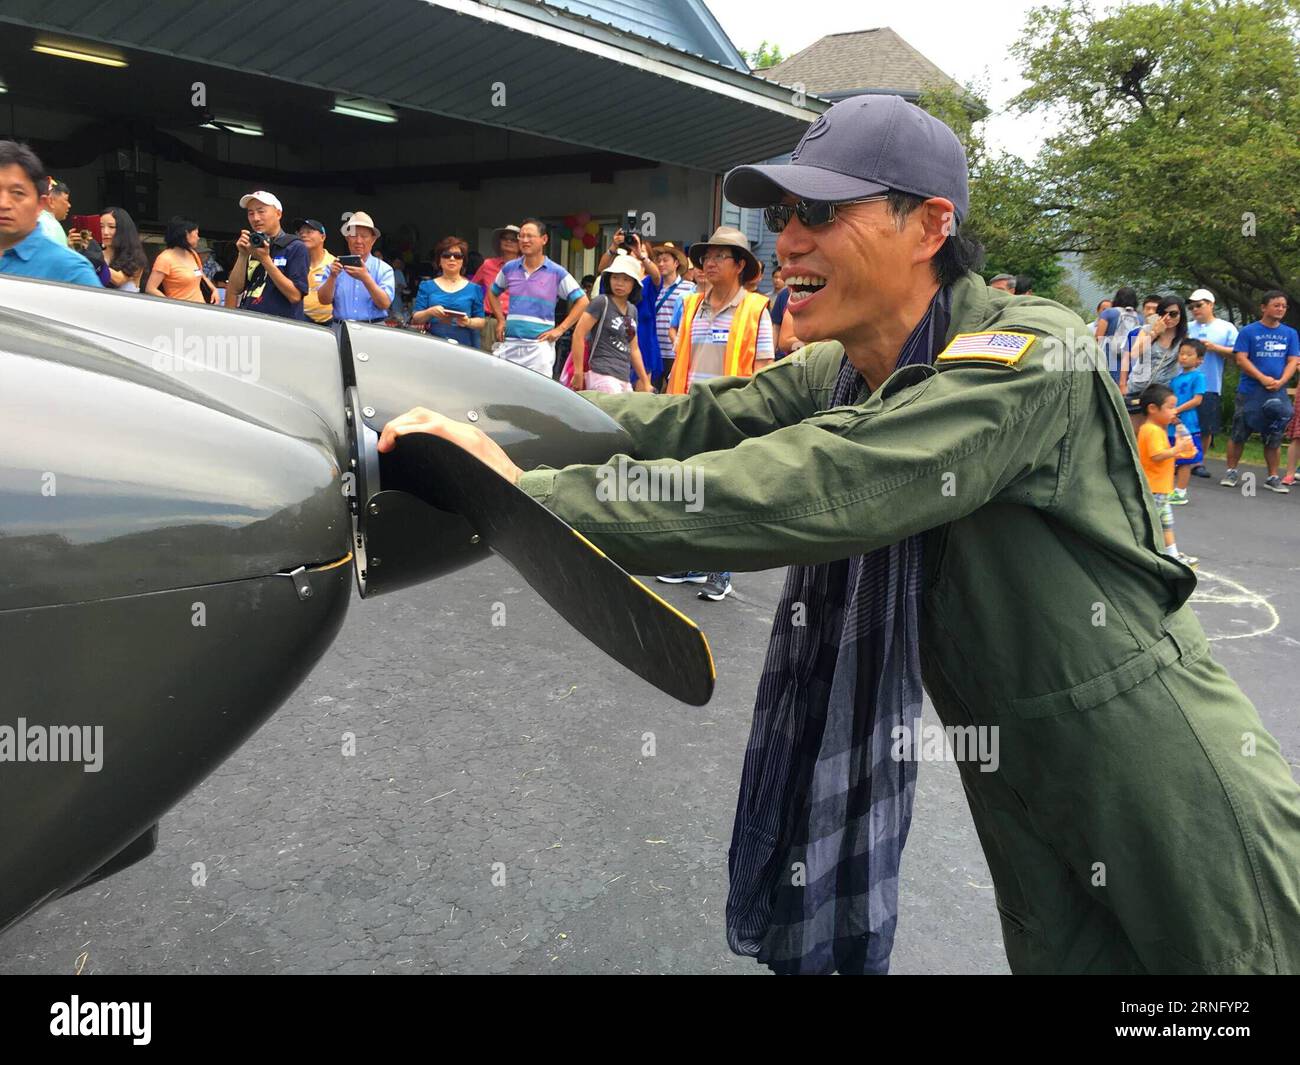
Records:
x=593, y=228
x=577, y=244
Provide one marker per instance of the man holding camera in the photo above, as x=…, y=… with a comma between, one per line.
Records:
x=270, y=271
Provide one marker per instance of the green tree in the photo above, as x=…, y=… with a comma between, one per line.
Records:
x=765, y=55
x=1004, y=211
x=1178, y=154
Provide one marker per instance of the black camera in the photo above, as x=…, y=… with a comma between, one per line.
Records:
x=256, y=239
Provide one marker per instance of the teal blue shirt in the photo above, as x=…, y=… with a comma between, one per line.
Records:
x=38, y=256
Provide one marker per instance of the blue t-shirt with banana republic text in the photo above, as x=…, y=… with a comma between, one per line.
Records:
x=1268, y=349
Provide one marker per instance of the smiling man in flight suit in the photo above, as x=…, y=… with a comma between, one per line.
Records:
x=1141, y=819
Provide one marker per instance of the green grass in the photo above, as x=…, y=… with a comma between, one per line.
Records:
x=1253, y=455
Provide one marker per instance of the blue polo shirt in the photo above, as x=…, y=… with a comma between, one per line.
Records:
x=38, y=256
x=351, y=297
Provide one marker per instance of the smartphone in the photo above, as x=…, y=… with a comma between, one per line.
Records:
x=89, y=222
x=350, y=260
x=629, y=228
x=456, y=314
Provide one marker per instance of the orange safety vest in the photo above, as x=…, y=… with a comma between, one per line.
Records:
x=742, y=340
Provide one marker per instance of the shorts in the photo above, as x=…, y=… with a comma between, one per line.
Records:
x=1200, y=452
x=535, y=355
x=603, y=382
x=1241, y=432
x=1210, y=413
x=1164, y=509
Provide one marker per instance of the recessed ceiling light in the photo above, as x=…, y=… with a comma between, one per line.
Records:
x=64, y=52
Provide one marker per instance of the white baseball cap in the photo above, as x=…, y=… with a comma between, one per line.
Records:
x=1201, y=294
x=262, y=196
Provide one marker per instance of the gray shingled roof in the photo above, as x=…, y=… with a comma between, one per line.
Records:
x=863, y=59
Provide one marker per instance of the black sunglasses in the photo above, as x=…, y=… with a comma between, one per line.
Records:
x=452, y=255
x=811, y=213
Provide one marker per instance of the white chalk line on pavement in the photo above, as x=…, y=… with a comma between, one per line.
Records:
x=1242, y=596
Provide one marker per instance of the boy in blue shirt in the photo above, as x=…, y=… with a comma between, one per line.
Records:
x=1268, y=353
x=1189, y=389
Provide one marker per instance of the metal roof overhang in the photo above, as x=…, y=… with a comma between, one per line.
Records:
x=565, y=78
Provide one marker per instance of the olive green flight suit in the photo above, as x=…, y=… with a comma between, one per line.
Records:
x=1141, y=818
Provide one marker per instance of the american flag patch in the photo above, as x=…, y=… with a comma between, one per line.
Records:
x=1004, y=348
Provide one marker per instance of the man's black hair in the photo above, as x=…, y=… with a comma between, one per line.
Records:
x=1271, y=295
x=1024, y=283
x=1153, y=298
x=12, y=153
x=1154, y=395
x=1197, y=345
x=541, y=226
x=178, y=233
x=1125, y=297
x=59, y=188
x=956, y=257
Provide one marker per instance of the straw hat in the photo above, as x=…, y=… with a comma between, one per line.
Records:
x=732, y=239
x=358, y=218
x=673, y=250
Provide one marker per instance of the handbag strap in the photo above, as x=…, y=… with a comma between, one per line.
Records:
x=600, y=328
x=205, y=286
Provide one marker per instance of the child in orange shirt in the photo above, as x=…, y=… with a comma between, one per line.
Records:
x=1160, y=404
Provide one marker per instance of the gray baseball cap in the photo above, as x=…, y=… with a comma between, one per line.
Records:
x=863, y=146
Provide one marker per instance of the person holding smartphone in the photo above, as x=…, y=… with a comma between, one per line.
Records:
x=360, y=285
x=1153, y=359
x=449, y=305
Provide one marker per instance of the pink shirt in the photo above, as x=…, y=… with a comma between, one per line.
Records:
x=487, y=273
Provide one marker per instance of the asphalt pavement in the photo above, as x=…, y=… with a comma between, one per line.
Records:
x=518, y=803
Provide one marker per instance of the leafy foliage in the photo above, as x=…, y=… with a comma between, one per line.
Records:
x=1177, y=161
x=1004, y=213
x=765, y=55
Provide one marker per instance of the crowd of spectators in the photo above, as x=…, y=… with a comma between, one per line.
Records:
x=654, y=317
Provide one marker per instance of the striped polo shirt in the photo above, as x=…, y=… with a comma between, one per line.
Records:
x=667, y=300
x=533, y=296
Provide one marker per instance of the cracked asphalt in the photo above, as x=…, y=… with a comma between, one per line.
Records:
x=503, y=813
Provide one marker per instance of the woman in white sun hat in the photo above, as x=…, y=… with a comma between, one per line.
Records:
x=610, y=318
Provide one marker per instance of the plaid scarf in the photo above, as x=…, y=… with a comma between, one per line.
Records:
x=824, y=809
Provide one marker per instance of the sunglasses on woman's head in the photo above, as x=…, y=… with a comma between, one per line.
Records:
x=811, y=213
